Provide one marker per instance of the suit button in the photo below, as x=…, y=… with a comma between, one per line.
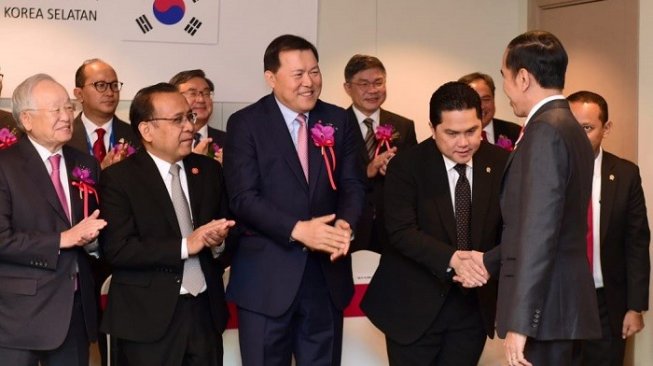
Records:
x=304, y=249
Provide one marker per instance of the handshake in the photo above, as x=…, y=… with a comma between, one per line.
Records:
x=469, y=267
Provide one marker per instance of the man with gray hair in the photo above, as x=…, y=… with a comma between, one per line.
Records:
x=46, y=288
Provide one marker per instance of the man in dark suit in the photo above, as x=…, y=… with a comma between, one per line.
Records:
x=444, y=325
x=165, y=210
x=365, y=83
x=198, y=90
x=619, y=239
x=546, y=295
x=495, y=131
x=98, y=90
x=46, y=288
x=291, y=276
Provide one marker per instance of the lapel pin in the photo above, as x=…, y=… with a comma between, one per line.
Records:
x=488, y=169
x=195, y=171
x=611, y=177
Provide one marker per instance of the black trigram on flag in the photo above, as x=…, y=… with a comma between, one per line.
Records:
x=193, y=26
x=144, y=23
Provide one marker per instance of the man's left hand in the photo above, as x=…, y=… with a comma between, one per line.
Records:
x=513, y=347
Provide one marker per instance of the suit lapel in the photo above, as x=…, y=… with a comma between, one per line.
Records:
x=437, y=172
x=39, y=176
x=195, y=188
x=315, y=159
x=76, y=203
x=148, y=175
x=608, y=191
x=277, y=132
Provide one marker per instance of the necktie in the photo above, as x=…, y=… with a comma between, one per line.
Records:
x=369, y=138
x=302, y=143
x=196, y=138
x=484, y=135
x=99, y=150
x=463, y=202
x=590, y=236
x=193, y=278
x=54, y=161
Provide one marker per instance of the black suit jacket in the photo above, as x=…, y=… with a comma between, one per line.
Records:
x=370, y=232
x=219, y=137
x=7, y=120
x=625, y=238
x=509, y=129
x=268, y=194
x=121, y=130
x=142, y=244
x=412, y=282
x=36, y=277
x=546, y=289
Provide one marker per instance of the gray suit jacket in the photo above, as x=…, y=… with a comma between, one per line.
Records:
x=546, y=289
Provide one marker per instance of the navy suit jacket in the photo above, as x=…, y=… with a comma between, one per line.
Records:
x=625, y=238
x=36, y=277
x=545, y=285
x=268, y=195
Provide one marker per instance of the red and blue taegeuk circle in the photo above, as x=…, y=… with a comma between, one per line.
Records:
x=169, y=11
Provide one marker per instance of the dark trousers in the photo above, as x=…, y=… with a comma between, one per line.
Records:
x=455, y=338
x=190, y=339
x=73, y=352
x=610, y=349
x=547, y=353
x=311, y=329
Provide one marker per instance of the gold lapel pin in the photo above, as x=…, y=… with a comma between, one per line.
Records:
x=488, y=169
x=611, y=177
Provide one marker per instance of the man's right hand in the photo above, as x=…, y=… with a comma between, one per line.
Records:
x=470, y=271
x=208, y=235
x=83, y=232
x=202, y=147
x=318, y=234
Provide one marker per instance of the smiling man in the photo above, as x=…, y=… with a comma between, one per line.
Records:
x=166, y=211
x=291, y=276
x=46, y=288
x=365, y=83
x=442, y=200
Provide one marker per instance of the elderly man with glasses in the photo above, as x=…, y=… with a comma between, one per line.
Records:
x=198, y=91
x=46, y=227
x=97, y=130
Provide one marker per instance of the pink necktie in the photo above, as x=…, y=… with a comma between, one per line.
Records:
x=55, y=160
x=302, y=143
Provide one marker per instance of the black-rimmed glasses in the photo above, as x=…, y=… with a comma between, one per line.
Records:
x=102, y=86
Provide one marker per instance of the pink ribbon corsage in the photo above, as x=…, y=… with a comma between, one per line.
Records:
x=504, y=142
x=85, y=185
x=7, y=138
x=324, y=139
x=383, y=137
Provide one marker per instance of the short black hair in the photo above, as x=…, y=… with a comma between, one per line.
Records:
x=541, y=54
x=358, y=63
x=585, y=96
x=286, y=42
x=141, y=108
x=453, y=96
x=184, y=76
x=470, y=78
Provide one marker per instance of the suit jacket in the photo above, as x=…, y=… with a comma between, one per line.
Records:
x=422, y=226
x=219, y=137
x=7, y=120
x=509, y=129
x=370, y=232
x=142, y=244
x=625, y=238
x=37, y=283
x=269, y=194
x=546, y=289
x=121, y=130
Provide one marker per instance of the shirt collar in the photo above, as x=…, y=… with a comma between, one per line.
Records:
x=163, y=166
x=289, y=115
x=450, y=164
x=539, y=104
x=360, y=116
x=90, y=127
x=43, y=152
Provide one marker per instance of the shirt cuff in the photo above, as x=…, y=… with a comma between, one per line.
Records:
x=184, y=249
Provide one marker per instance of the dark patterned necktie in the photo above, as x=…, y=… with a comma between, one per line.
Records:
x=369, y=138
x=463, y=198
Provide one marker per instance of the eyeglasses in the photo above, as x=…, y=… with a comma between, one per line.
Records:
x=178, y=121
x=66, y=108
x=367, y=84
x=102, y=86
x=194, y=94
